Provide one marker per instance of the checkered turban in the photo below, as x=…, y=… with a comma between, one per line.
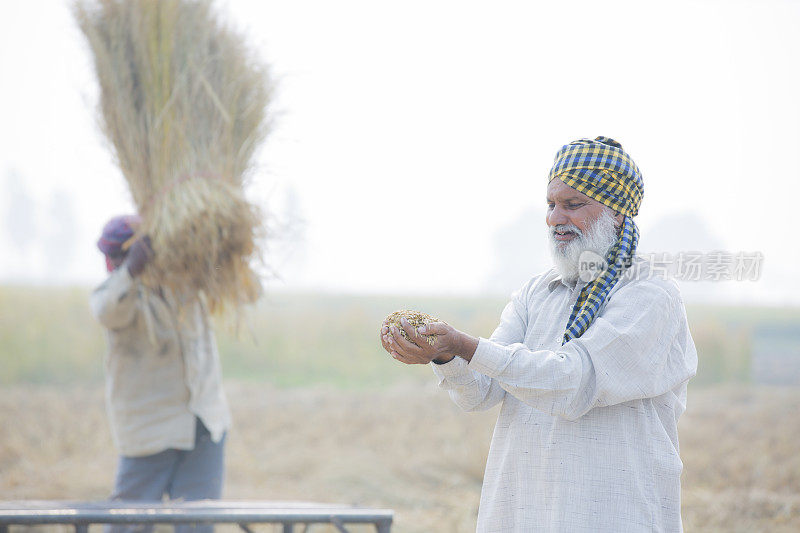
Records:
x=602, y=170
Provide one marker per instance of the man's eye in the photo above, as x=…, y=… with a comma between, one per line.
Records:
x=574, y=206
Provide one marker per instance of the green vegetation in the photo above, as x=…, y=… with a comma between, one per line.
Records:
x=47, y=335
x=724, y=339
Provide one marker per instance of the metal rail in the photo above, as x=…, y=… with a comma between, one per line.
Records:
x=243, y=513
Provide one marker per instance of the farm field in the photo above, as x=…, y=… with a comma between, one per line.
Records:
x=405, y=447
x=321, y=413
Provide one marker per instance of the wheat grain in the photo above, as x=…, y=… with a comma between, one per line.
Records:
x=416, y=319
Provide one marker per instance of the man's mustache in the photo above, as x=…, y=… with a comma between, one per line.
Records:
x=563, y=228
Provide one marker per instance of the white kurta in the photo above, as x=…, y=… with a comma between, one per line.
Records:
x=586, y=439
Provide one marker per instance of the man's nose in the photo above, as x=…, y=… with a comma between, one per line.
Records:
x=557, y=216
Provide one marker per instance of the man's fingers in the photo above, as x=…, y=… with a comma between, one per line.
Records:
x=387, y=337
x=386, y=343
x=394, y=349
x=148, y=244
x=384, y=336
x=409, y=359
x=408, y=328
x=411, y=353
x=400, y=357
x=402, y=343
x=142, y=246
x=434, y=328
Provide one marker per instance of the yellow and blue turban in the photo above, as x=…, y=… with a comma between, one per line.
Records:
x=602, y=170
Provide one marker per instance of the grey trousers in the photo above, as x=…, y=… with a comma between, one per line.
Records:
x=179, y=474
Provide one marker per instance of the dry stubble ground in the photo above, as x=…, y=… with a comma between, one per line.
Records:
x=406, y=448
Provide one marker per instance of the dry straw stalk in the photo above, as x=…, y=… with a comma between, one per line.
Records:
x=183, y=103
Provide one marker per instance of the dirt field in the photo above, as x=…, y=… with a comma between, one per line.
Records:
x=406, y=448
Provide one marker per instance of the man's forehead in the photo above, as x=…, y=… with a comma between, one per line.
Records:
x=557, y=190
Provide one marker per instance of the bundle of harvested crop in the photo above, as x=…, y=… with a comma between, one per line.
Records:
x=183, y=103
x=416, y=319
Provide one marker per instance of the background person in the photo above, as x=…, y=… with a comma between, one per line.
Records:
x=164, y=395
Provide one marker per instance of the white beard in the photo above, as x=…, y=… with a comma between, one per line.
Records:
x=600, y=237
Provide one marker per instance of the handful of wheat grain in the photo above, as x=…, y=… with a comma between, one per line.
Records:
x=416, y=319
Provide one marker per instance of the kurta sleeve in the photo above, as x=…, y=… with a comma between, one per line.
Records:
x=113, y=303
x=471, y=390
x=638, y=347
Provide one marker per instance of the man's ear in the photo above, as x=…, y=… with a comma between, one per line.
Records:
x=618, y=218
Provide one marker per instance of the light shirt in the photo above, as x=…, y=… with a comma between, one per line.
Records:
x=162, y=368
x=586, y=439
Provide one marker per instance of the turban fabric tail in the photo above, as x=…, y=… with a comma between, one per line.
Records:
x=601, y=170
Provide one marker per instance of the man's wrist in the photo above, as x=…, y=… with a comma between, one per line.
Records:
x=467, y=346
x=464, y=347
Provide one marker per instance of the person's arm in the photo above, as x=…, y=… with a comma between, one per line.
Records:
x=470, y=390
x=113, y=303
x=640, y=347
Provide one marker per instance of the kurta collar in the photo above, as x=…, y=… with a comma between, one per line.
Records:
x=553, y=283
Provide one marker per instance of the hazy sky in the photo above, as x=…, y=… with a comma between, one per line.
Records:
x=412, y=137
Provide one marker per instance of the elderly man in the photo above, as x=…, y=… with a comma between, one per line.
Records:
x=164, y=393
x=591, y=370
